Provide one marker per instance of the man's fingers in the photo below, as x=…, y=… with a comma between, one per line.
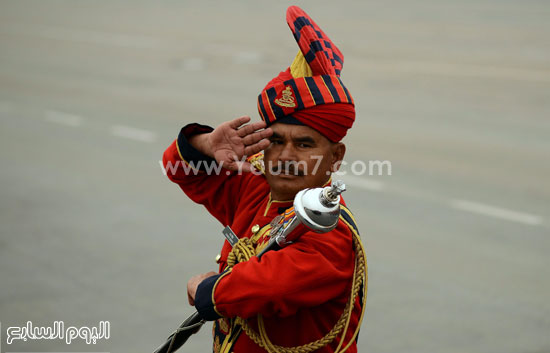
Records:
x=266, y=133
x=250, y=128
x=235, y=123
x=246, y=130
x=255, y=137
x=257, y=147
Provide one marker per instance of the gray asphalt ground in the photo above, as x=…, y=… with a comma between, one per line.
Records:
x=455, y=94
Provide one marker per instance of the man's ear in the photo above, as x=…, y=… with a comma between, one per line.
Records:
x=338, y=152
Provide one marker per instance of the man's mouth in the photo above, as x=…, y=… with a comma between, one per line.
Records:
x=289, y=175
x=288, y=172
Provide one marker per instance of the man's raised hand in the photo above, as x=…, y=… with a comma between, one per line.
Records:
x=233, y=140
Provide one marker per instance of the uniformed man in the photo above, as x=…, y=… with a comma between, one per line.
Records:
x=294, y=296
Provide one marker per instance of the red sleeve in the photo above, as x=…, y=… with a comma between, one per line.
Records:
x=312, y=271
x=202, y=179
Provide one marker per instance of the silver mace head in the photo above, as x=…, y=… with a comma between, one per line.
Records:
x=319, y=208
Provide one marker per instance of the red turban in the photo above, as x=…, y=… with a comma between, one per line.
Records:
x=310, y=90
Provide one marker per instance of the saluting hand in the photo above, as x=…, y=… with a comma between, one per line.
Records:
x=232, y=140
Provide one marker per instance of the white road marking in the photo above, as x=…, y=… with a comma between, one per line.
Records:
x=361, y=183
x=496, y=212
x=193, y=64
x=133, y=133
x=462, y=70
x=247, y=57
x=63, y=118
x=85, y=36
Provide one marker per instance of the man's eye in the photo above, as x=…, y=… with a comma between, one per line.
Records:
x=304, y=145
x=276, y=142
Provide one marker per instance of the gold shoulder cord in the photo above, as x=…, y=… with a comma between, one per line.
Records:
x=244, y=250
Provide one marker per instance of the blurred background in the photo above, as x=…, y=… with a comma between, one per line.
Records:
x=455, y=94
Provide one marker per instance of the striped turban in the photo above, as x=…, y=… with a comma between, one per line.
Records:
x=310, y=91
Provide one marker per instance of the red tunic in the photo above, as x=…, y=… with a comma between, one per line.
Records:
x=300, y=290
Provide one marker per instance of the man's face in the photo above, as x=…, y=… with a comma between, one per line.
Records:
x=298, y=157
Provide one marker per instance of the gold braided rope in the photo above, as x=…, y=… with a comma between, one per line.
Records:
x=244, y=250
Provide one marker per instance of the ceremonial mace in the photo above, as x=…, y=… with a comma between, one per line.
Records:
x=316, y=209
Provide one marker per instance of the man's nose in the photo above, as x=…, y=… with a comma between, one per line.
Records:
x=288, y=153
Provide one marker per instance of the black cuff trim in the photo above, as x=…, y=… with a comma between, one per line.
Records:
x=204, y=299
x=189, y=153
